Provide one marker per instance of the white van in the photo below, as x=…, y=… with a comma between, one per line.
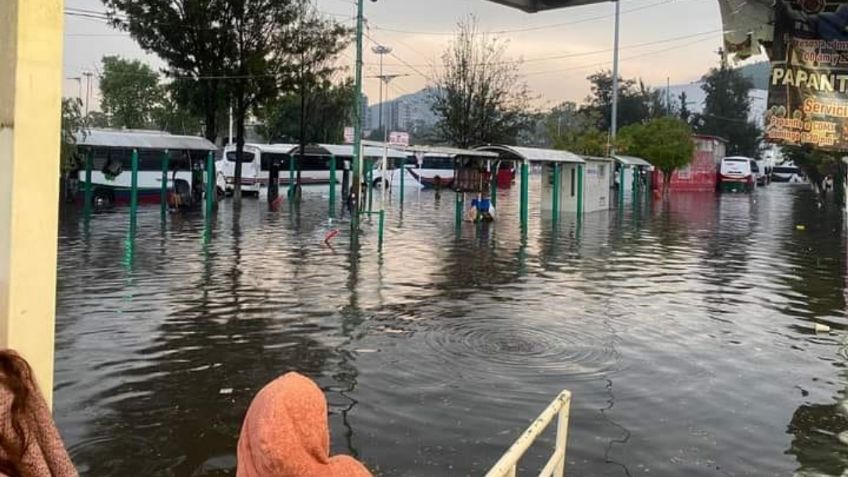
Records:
x=737, y=174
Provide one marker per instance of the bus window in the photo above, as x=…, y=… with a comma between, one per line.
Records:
x=245, y=157
x=266, y=159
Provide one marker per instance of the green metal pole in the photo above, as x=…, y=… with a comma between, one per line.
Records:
x=357, y=125
x=368, y=185
x=459, y=205
x=493, y=195
x=380, y=229
x=291, y=178
x=332, y=186
x=210, y=185
x=89, y=164
x=402, y=179
x=580, y=172
x=621, y=186
x=134, y=192
x=525, y=194
x=163, y=193
x=555, y=195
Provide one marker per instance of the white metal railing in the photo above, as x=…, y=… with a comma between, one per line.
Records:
x=507, y=466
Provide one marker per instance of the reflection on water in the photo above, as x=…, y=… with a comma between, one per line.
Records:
x=683, y=330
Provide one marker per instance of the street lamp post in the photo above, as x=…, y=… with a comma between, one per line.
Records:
x=381, y=50
x=614, y=116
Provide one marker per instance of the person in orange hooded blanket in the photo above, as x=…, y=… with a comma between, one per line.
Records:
x=285, y=434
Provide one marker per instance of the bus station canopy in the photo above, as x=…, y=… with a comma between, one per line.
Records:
x=532, y=154
x=632, y=161
x=346, y=150
x=450, y=151
x=142, y=139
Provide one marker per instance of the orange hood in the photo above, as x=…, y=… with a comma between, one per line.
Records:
x=285, y=434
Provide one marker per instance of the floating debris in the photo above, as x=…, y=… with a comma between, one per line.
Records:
x=801, y=227
x=226, y=391
x=820, y=328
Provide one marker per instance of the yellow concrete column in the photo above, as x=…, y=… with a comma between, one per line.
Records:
x=30, y=122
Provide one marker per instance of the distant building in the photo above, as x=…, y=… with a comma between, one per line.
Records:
x=405, y=113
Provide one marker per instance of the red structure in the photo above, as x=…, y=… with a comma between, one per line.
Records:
x=701, y=175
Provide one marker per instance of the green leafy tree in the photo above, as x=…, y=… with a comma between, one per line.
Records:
x=575, y=130
x=479, y=96
x=726, y=110
x=637, y=102
x=665, y=142
x=170, y=115
x=683, y=112
x=328, y=108
x=73, y=123
x=316, y=44
x=129, y=92
x=817, y=165
x=194, y=38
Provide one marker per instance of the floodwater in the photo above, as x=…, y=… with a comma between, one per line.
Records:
x=683, y=330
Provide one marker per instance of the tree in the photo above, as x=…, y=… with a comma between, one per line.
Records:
x=317, y=43
x=193, y=38
x=479, y=95
x=665, y=142
x=73, y=123
x=329, y=107
x=726, y=111
x=683, y=113
x=816, y=164
x=170, y=115
x=637, y=102
x=575, y=130
x=129, y=92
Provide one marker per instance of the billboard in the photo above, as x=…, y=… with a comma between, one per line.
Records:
x=808, y=86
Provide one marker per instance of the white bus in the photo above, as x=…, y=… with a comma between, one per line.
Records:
x=111, y=171
x=315, y=168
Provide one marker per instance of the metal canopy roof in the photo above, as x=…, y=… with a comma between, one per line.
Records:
x=597, y=158
x=450, y=151
x=536, y=155
x=346, y=150
x=632, y=161
x=533, y=6
x=141, y=139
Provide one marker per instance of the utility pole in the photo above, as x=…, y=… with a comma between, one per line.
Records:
x=381, y=50
x=88, y=75
x=356, y=186
x=614, y=118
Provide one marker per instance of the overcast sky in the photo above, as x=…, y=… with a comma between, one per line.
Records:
x=660, y=39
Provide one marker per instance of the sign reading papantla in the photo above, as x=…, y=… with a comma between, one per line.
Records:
x=808, y=87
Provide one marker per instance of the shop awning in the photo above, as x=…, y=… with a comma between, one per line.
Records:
x=631, y=161
x=532, y=154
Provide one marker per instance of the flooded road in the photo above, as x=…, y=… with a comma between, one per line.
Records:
x=683, y=330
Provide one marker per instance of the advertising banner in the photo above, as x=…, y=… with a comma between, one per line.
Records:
x=808, y=86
